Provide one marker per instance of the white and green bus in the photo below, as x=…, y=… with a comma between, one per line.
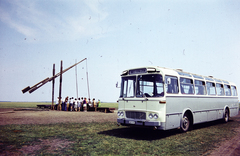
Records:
x=165, y=98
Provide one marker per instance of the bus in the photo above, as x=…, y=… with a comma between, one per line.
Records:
x=165, y=99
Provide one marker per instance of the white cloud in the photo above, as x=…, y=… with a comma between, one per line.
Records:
x=49, y=22
x=6, y=17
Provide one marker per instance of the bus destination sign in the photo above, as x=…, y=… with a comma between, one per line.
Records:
x=137, y=71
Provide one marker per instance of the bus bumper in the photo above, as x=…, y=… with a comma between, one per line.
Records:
x=130, y=122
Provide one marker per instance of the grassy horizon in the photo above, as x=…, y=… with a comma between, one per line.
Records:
x=34, y=104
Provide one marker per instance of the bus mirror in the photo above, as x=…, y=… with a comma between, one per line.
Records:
x=117, y=85
x=169, y=80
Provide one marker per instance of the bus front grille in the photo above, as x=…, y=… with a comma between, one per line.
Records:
x=136, y=115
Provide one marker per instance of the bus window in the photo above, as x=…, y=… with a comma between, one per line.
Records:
x=227, y=90
x=172, y=86
x=200, y=88
x=150, y=86
x=128, y=86
x=186, y=86
x=220, y=90
x=211, y=88
x=234, y=90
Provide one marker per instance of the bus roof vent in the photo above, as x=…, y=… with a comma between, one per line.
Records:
x=125, y=72
x=210, y=76
x=179, y=70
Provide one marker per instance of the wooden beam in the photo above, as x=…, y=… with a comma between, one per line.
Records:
x=26, y=89
x=41, y=83
x=38, y=85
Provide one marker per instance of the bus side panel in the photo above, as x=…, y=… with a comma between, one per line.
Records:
x=173, y=121
x=200, y=117
x=234, y=111
x=234, y=108
x=203, y=108
x=220, y=114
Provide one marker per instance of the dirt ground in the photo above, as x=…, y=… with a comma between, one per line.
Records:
x=36, y=116
x=29, y=116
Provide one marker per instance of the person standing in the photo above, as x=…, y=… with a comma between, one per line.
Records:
x=57, y=101
x=99, y=103
x=65, y=103
x=81, y=104
x=89, y=102
x=94, y=104
x=60, y=103
x=75, y=104
x=85, y=104
x=71, y=103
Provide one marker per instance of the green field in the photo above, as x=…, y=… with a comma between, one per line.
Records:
x=34, y=104
x=109, y=139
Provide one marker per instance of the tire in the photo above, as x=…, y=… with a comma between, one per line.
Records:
x=226, y=116
x=185, y=123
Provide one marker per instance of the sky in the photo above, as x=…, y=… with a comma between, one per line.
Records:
x=201, y=36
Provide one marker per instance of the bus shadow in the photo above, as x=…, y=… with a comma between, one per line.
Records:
x=139, y=133
x=208, y=124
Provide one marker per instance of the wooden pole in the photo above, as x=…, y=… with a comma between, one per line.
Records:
x=60, y=87
x=53, y=81
x=87, y=81
x=76, y=79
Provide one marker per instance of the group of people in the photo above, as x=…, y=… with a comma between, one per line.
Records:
x=75, y=104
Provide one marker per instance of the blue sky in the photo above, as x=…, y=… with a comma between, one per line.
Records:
x=201, y=37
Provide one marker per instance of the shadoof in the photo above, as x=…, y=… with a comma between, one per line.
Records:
x=43, y=82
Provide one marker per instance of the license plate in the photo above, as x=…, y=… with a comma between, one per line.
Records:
x=131, y=122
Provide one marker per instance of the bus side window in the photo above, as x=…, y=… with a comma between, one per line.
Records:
x=227, y=90
x=186, y=86
x=211, y=89
x=200, y=88
x=171, y=84
x=220, y=90
x=234, y=90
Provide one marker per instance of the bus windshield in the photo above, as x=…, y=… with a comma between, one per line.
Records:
x=128, y=86
x=149, y=86
x=145, y=86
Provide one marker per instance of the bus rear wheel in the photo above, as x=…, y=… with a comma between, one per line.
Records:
x=185, y=123
x=226, y=115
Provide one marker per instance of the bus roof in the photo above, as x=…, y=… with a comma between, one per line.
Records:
x=173, y=72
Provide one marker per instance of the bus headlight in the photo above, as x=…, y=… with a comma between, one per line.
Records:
x=150, y=116
x=120, y=113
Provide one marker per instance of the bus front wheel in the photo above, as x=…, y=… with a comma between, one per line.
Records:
x=185, y=123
